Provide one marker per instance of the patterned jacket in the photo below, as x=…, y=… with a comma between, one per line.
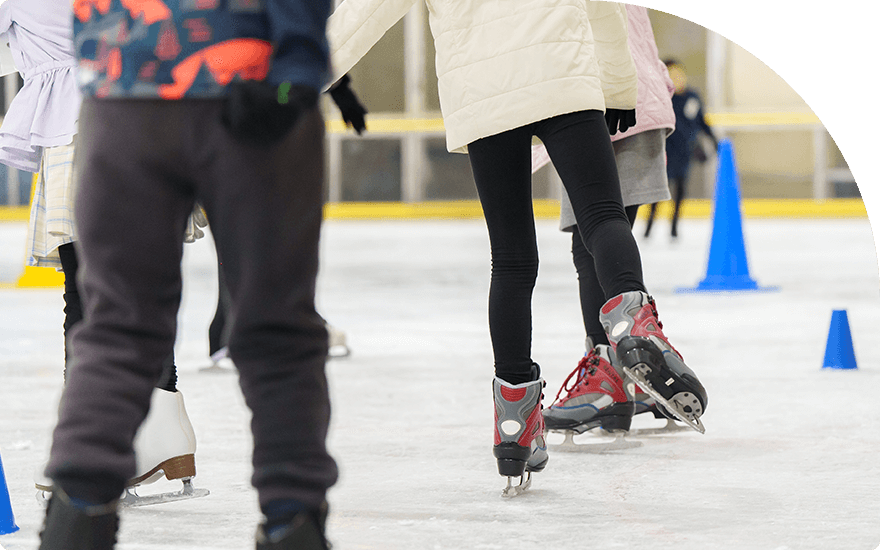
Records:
x=173, y=49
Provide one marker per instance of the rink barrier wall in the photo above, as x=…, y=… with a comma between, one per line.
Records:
x=549, y=209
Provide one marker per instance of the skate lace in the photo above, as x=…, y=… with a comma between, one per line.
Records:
x=660, y=324
x=654, y=312
x=585, y=369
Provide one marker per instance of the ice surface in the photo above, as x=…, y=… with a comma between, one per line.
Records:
x=789, y=459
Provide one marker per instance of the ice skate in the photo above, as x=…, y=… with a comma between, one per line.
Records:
x=165, y=445
x=337, y=342
x=650, y=361
x=220, y=363
x=595, y=397
x=75, y=526
x=520, y=447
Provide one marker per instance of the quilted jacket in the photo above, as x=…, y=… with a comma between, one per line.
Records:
x=502, y=64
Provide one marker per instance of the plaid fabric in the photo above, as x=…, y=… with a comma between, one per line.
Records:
x=51, y=220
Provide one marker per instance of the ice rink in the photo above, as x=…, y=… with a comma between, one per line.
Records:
x=790, y=459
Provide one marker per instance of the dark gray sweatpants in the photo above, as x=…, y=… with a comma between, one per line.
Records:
x=141, y=164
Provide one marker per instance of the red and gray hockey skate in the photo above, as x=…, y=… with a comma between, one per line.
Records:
x=649, y=360
x=595, y=397
x=520, y=447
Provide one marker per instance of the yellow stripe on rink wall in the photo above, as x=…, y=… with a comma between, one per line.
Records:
x=549, y=209
x=546, y=208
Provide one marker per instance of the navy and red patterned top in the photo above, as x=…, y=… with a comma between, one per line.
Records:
x=173, y=49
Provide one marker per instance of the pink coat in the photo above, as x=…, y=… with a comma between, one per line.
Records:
x=654, y=107
x=654, y=104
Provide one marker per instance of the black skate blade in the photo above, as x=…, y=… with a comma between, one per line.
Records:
x=670, y=406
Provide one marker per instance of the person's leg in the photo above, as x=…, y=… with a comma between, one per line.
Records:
x=592, y=296
x=651, y=215
x=680, y=187
x=581, y=151
x=502, y=173
x=265, y=206
x=130, y=285
x=73, y=311
x=218, y=330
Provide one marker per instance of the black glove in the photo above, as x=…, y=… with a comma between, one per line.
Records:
x=618, y=119
x=260, y=114
x=349, y=105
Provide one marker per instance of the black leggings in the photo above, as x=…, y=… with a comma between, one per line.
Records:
x=580, y=148
x=590, y=290
x=679, y=190
x=218, y=331
x=73, y=314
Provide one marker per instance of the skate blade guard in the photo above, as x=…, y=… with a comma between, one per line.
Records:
x=680, y=395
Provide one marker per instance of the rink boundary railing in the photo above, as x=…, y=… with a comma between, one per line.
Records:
x=548, y=209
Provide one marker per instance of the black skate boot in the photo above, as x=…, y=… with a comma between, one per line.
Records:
x=305, y=531
x=73, y=526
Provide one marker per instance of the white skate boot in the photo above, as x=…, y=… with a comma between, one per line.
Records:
x=338, y=345
x=165, y=445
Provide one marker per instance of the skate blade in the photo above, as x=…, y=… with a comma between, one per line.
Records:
x=43, y=497
x=671, y=427
x=515, y=490
x=131, y=499
x=619, y=443
x=639, y=378
x=216, y=369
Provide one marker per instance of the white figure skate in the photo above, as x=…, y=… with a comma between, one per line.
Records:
x=165, y=445
x=337, y=342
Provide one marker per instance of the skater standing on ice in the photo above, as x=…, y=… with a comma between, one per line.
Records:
x=38, y=135
x=594, y=394
x=215, y=102
x=682, y=144
x=506, y=75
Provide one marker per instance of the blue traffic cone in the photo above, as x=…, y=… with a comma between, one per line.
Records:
x=7, y=520
x=728, y=268
x=839, y=353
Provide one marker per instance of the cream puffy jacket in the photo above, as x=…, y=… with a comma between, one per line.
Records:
x=502, y=64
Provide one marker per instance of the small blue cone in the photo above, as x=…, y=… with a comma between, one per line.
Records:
x=7, y=520
x=728, y=269
x=839, y=353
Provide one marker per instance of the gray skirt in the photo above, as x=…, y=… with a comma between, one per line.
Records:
x=641, y=164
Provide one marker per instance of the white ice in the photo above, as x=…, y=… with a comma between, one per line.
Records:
x=790, y=458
